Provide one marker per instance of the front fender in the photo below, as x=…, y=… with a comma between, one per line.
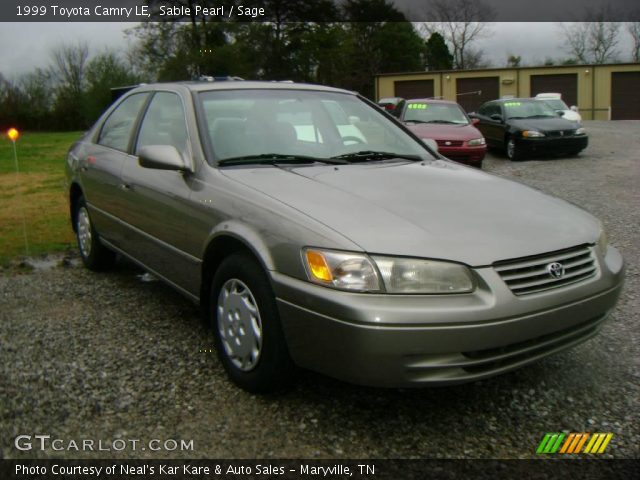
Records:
x=244, y=234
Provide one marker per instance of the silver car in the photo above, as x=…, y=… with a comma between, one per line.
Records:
x=318, y=232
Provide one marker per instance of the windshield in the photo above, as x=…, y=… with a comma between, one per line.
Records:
x=556, y=104
x=423, y=112
x=244, y=124
x=528, y=109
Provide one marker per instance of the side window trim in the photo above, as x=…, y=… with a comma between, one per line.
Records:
x=138, y=125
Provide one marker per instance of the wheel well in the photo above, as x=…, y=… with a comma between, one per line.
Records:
x=219, y=249
x=75, y=192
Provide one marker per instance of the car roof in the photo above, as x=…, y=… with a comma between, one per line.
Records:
x=432, y=100
x=204, y=86
x=549, y=96
x=503, y=100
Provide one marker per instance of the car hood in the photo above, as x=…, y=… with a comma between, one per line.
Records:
x=437, y=209
x=542, y=124
x=444, y=132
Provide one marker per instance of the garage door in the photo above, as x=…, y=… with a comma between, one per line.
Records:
x=414, y=88
x=473, y=92
x=625, y=96
x=565, y=84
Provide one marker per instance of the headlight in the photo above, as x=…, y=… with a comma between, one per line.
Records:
x=412, y=275
x=532, y=134
x=341, y=270
x=603, y=243
x=356, y=272
x=476, y=141
x=581, y=131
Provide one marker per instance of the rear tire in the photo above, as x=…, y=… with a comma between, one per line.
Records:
x=248, y=334
x=95, y=256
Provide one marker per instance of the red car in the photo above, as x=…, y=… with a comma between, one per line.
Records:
x=448, y=124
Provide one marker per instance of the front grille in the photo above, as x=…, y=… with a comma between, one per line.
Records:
x=449, y=143
x=560, y=133
x=530, y=275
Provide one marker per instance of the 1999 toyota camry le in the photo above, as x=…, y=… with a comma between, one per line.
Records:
x=316, y=231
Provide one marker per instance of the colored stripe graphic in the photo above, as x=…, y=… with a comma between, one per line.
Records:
x=606, y=441
x=550, y=443
x=567, y=442
x=582, y=441
x=543, y=443
x=578, y=439
x=598, y=443
x=572, y=443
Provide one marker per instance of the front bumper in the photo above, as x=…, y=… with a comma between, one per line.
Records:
x=555, y=145
x=413, y=340
x=472, y=156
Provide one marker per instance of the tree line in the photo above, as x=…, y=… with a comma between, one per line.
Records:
x=346, y=45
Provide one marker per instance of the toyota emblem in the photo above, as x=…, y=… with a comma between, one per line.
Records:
x=556, y=270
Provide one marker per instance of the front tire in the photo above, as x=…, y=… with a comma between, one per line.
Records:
x=512, y=150
x=248, y=334
x=95, y=256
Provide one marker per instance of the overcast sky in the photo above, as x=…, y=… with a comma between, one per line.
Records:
x=24, y=46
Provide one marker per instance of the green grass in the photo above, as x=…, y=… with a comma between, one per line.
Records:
x=38, y=192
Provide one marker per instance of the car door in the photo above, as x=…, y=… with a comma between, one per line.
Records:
x=492, y=126
x=101, y=165
x=157, y=201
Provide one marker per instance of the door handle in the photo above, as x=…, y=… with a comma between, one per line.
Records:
x=125, y=187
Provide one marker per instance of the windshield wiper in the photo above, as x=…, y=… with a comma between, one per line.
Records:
x=370, y=155
x=542, y=116
x=276, y=158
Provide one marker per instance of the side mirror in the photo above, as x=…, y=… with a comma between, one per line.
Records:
x=560, y=113
x=475, y=121
x=574, y=108
x=431, y=143
x=161, y=157
x=497, y=117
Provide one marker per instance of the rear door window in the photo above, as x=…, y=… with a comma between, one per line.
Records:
x=117, y=129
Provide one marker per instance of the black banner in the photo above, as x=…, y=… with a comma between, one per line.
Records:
x=284, y=10
x=583, y=469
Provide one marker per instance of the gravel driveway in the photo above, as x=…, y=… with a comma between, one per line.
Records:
x=107, y=356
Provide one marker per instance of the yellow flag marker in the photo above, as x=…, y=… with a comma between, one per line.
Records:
x=13, y=134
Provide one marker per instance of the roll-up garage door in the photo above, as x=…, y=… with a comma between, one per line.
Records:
x=413, y=88
x=473, y=92
x=625, y=96
x=565, y=84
